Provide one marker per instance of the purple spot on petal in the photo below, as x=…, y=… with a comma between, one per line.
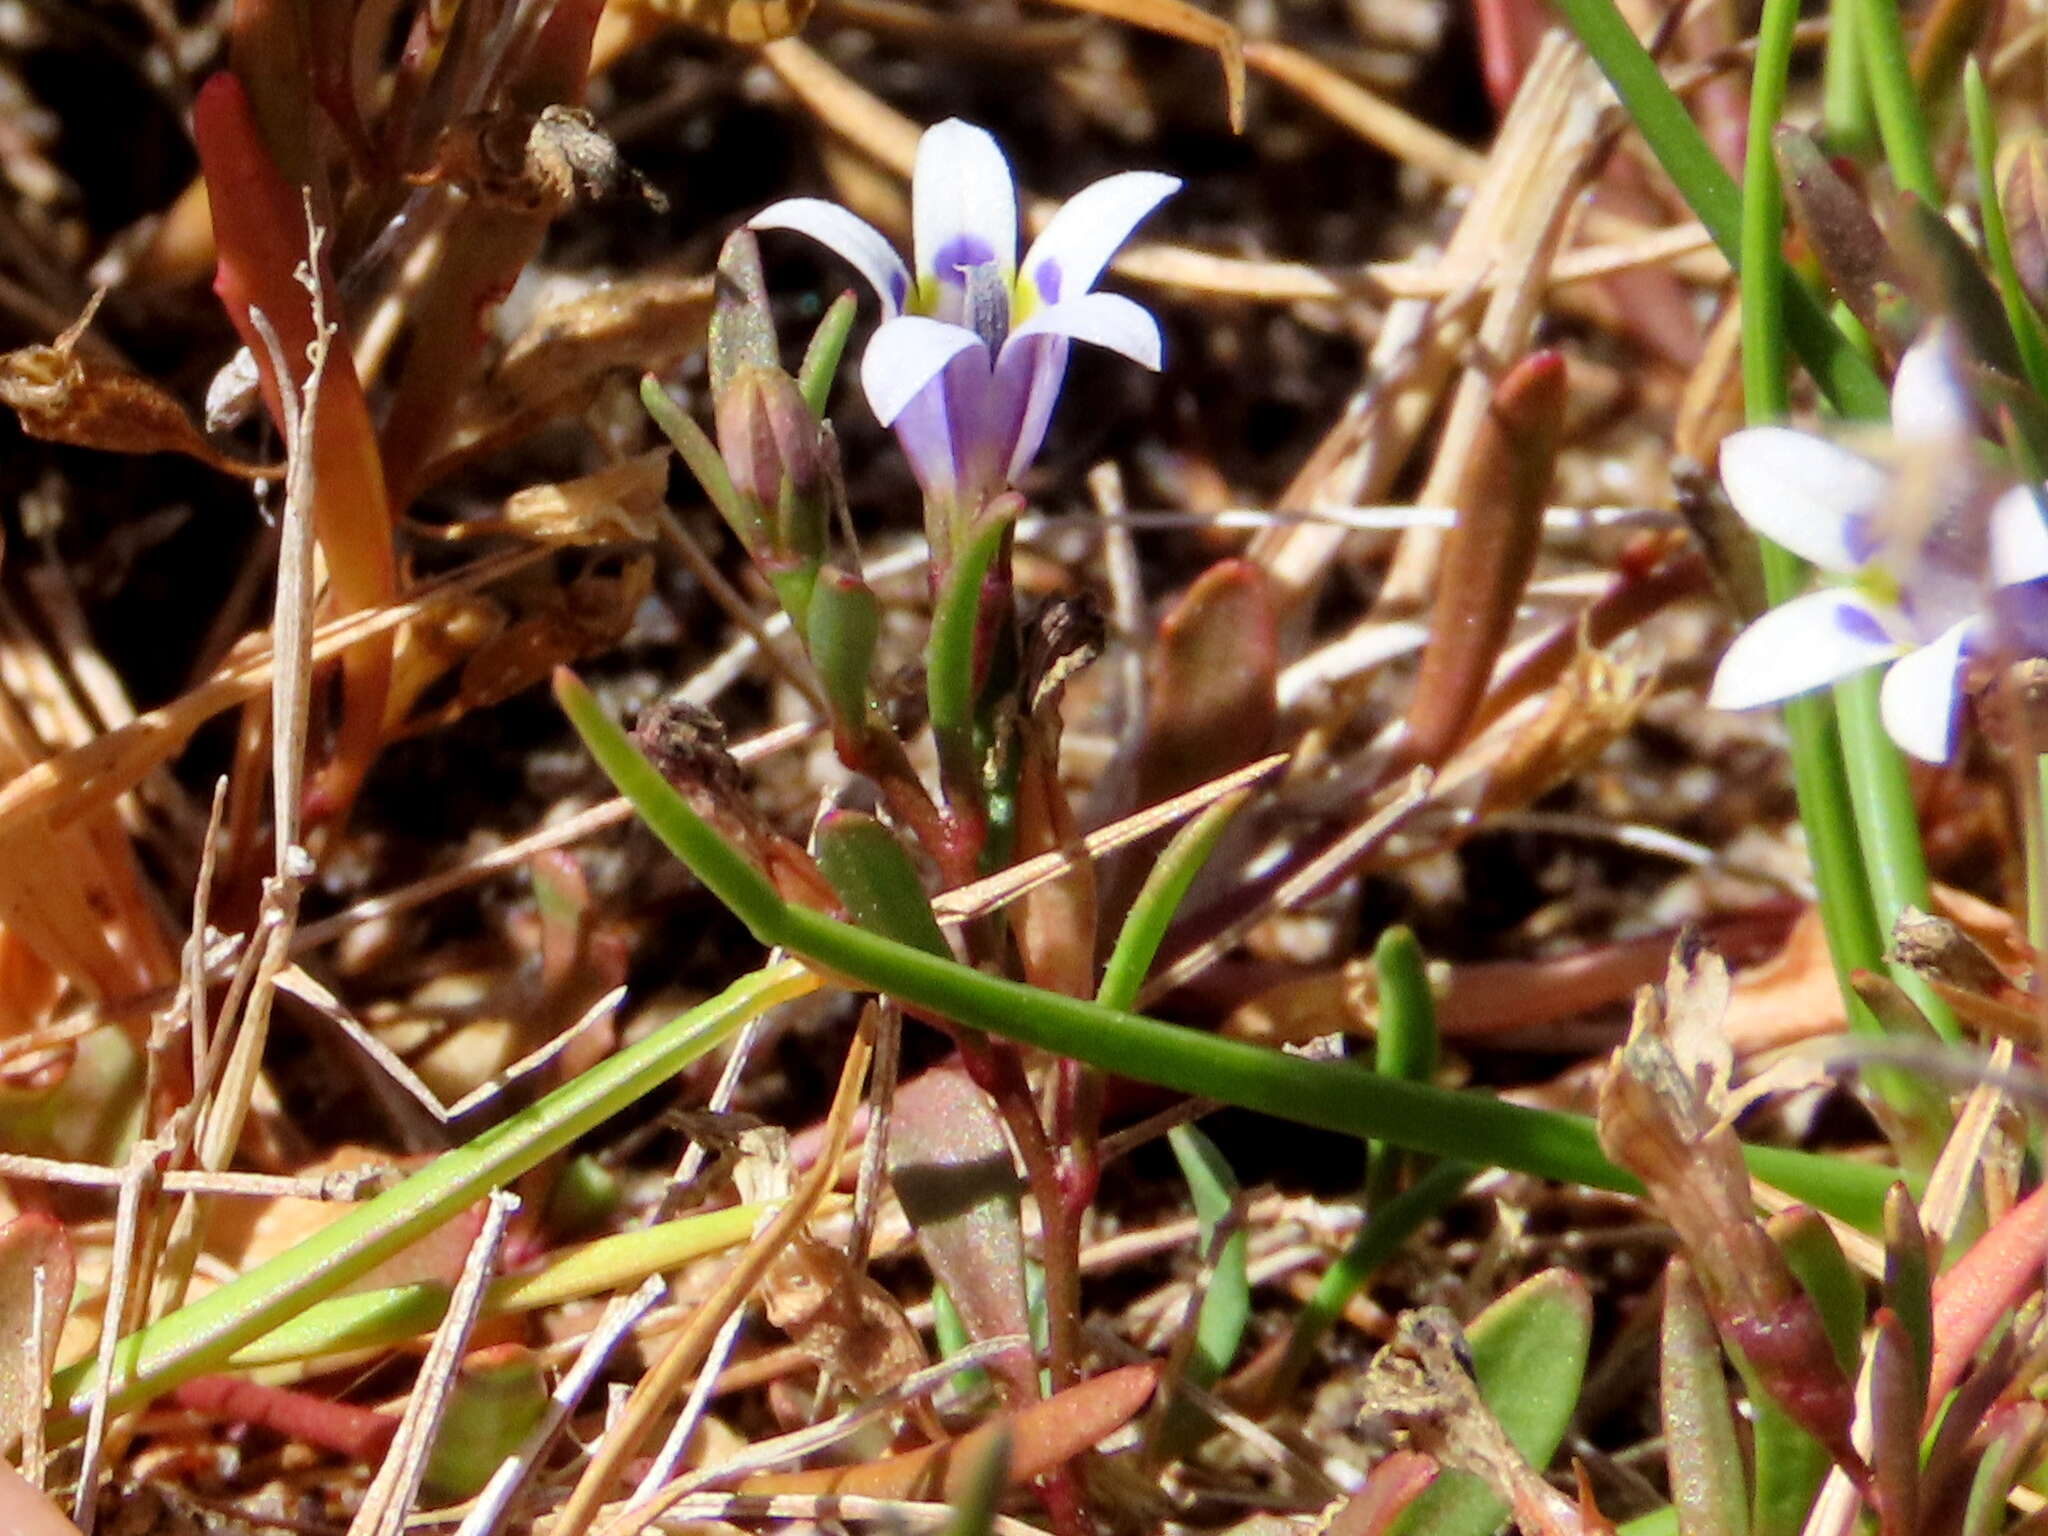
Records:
x=1047, y=277
x=959, y=255
x=1860, y=538
x=899, y=289
x=1858, y=624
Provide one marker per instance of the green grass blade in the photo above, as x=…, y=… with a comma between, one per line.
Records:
x=1332, y=1095
x=202, y=1334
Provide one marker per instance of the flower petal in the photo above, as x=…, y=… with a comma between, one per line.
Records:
x=1076, y=245
x=1105, y=319
x=1028, y=379
x=1807, y=643
x=1922, y=694
x=1929, y=398
x=1814, y=497
x=854, y=239
x=904, y=356
x=2019, y=537
x=963, y=204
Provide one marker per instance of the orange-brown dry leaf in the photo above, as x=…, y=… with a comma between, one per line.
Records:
x=1793, y=996
x=841, y=1317
x=553, y=368
x=65, y=395
x=1043, y=1436
x=591, y=614
x=616, y=505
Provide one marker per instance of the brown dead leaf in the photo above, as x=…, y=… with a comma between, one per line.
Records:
x=65, y=395
x=554, y=367
x=1663, y=1117
x=1042, y=1436
x=616, y=505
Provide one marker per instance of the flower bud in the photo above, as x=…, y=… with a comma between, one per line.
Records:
x=774, y=450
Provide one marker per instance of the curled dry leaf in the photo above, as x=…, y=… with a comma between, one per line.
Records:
x=1661, y=1118
x=568, y=348
x=590, y=614
x=616, y=505
x=64, y=394
x=1592, y=705
x=840, y=1317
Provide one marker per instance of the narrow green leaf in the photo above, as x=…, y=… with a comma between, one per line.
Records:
x=821, y=358
x=1709, y=1484
x=1405, y=1045
x=1908, y=1277
x=498, y=1396
x=1842, y=372
x=868, y=868
x=1334, y=1095
x=1166, y=885
x=203, y=1333
x=1226, y=1305
x=841, y=629
x=701, y=454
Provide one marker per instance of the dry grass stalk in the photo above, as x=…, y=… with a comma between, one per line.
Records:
x=1542, y=159
x=392, y=1492
x=658, y=1388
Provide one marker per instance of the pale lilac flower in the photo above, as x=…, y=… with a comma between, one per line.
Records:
x=1935, y=552
x=973, y=348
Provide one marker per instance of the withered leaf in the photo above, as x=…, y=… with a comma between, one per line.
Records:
x=64, y=395
x=1661, y=1117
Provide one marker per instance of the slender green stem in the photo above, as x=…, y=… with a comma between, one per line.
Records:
x=1332, y=1095
x=1404, y=1045
x=201, y=1334
x=1844, y=374
x=1825, y=805
x=1893, y=856
x=1828, y=805
x=1901, y=121
x=1845, y=93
